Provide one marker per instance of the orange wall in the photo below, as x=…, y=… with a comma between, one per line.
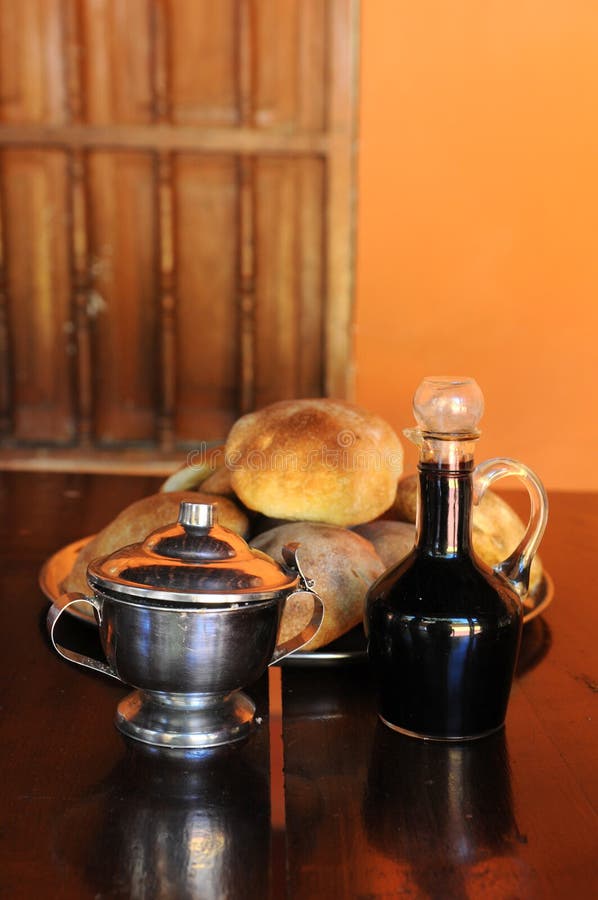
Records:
x=477, y=243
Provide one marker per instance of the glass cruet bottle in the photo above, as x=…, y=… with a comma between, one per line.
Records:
x=443, y=629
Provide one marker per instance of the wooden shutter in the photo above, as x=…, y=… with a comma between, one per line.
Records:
x=176, y=213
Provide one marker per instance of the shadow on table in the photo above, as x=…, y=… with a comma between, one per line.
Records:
x=536, y=642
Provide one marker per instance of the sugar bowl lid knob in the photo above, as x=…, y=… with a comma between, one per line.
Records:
x=197, y=515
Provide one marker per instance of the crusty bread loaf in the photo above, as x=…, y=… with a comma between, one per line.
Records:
x=496, y=527
x=136, y=521
x=315, y=460
x=341, y=564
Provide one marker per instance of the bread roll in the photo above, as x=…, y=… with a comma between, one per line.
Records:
x=187, y=478
x=392, y=540
x=218, y=482
x=496, y=528
x=135, y=522
x=200, y=466
x=341, y=564
x=404, y=506
x=315, y=460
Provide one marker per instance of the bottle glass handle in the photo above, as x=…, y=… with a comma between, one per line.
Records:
x=516, y=567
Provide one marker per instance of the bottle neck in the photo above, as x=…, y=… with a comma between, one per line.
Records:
x=444, y=509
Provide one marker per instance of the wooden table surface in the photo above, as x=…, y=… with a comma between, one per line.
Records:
x=367, y=813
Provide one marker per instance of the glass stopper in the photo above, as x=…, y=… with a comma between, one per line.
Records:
x=446, y=404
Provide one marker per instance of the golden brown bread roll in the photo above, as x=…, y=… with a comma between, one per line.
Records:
x=200, y=466
x=187, y=478
x=315, y=460
x=135, y=522
x=218, y=482
x=496, y=528
x=392, y=540
x=404, y=506
x=341, y=564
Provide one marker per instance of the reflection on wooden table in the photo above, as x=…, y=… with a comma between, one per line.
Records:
x=366, y=812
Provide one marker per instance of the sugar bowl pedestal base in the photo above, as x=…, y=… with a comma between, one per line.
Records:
x=186, y=721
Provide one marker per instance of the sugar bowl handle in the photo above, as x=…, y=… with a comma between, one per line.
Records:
x=516, y=567
x=55, y=612
x=289, y=554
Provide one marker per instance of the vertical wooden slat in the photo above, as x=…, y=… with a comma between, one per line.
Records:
x=291, y=68
x=116, y=35
x=161, y=102
x=5, y=367
x=290, y=272
x=203, y=81
x=35, y=191
x=276, y=63
x=246, y=182
x=31, y=61
x=310, y=273
x=122, y=299
x=277, y=318
x=312, y=63
x=160, y=60
x=246, y=286
x=80, y=276
x=73, y=67
x=245, y=37
x=167, y=302
x=343, y=29
x=80, y=288
x=207, y=321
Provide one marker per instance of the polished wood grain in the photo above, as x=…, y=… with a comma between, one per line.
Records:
x=278, y=142
x=81, y=292
x=367, y=813
x=82, y=815
x=38, y=294
x=5, y=342
x=122, y=301
x=370, y=813
x=176, y=197
x=206, y=248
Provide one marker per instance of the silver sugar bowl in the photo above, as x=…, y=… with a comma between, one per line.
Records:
x=189, y=617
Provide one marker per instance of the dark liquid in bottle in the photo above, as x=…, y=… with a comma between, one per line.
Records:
x=443, y=630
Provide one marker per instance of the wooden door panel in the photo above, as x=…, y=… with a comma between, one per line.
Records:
x=206, y=311
x=32, y=48
x=311, y=240
x=116, y=66
x=176, y=204
x=122, y=295
x=289, y=272
x=203, y=89
x=36, y=249
x=290, y=64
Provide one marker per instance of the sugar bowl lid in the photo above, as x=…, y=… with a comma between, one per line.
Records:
x=195, y=561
